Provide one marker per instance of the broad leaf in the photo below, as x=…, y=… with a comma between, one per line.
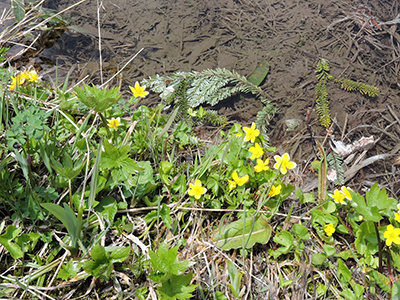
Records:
x=259, y=73
x=6, y=240
x=235, y=235
x=285, y=239
x=120, y=254
x=68, y=218
x=18, y=9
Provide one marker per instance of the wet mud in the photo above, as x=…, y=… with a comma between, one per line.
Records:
x=361, y=40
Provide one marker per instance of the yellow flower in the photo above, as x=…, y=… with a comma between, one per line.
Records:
x=139, y=91
x=397, y=216
x=329, y=229
x=232, y=185
x=33, y=76
x=16, y=80
x=24, y=75
x=114, y=123
x=283, y=163
x=275, y=190
x=346, y=192
x=239, y=180
x=392, y=235
x=251, y=133
x=261, y=165
x=239, y=134
x=256, y=151
x=360, y=218
x=338, y=197
x=196, y=189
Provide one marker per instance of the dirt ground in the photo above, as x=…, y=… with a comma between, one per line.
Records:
x=361, y=40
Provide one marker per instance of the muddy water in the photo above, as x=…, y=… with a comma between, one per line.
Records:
x=291, y=35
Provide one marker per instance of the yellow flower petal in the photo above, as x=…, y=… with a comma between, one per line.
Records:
x=275, y=190
x=329, y=229
x=196, y=189
x=239, y=180
x=251, y=133
x=338, y=197
x=284, y=163
x=261, y=165
x=114, y=123
x=346, y=192
x=139, y=91
x=392, y=235
x=256, y=151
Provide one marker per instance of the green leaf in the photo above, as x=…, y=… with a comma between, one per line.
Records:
x=165, y=215
x=235, y=277
x=379, y=198
x=120, y=254
x=343, y=273
x=97, y=99
x=369, y=213
x=67, y=169
x=220, y=296
x=382, y=280
x=166, y=260
x=177, y=287
x=396, y=290
x=108, y=208
x=232, y=236
x=68, y=271
x=318, y=259
x=259, y=73
x=366, y=240
x=18, y=9
x=6, y=240
x=348, y=294
x=68, y=218
x=395, y=259
x=301, y=232
x=285, y=239
x=95, y=175
x=99, y=254
x=329, y=250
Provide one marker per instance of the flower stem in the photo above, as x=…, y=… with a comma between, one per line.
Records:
x=105, y=123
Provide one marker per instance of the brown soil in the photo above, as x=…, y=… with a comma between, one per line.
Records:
x=237, y=34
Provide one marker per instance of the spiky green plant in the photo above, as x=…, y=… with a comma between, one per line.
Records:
x=192, y=89
x=321, y=93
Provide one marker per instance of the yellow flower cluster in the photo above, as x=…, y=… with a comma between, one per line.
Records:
x=282, y=163
x=340, y=195
x=20, y=78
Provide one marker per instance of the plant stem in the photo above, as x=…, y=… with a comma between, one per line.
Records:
x=105, y=123
x=380, y=246
x=344, y=224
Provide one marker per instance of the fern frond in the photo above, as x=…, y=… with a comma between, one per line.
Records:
x=215, y=119
x=365, y=89
x=322, y=101
x=265, y=115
